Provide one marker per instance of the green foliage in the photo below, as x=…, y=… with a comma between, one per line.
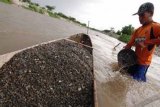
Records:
x=6, y=1
x=43, y=8
x=118, y=32
x=94, y=29
x=42, y=11
x=125, y=33
x=33, y=7
x=71, y=18
x=78, y=22
x=51, y=14
x=26, y=7
x=36, y=8
x=127, y=29
x=124, y=38
x=50, y=8
x=62, y=15
x=83, y=24
x=106, y=31
x=29, y=1
x=36, y=4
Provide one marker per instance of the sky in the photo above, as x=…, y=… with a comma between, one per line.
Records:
x=102, y=14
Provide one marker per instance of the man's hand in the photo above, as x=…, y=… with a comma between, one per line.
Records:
x=142, y=44
x=126, y=47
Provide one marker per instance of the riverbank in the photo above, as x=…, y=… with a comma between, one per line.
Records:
x=46, y=11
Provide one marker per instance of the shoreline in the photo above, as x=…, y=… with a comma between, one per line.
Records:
x=16, y=2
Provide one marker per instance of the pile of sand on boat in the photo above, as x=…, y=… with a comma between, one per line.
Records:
x=55, y=74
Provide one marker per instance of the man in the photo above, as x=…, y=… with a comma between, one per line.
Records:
x=144, y=39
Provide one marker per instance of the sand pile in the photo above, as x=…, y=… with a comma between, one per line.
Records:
x=57, y=74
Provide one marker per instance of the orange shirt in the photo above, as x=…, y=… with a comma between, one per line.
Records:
x=142, y=34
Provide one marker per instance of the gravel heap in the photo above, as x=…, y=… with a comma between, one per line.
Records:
x=57, y=74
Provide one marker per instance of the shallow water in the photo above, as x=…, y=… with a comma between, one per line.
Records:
x=120, y=90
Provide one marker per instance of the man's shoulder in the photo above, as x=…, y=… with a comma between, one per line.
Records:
x=156, y=24
x=137, y=29
x=156, y=27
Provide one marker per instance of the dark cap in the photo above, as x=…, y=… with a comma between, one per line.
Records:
x=145, y=7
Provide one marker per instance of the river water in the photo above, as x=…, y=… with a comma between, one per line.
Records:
x=120, y=90
x=21, y=28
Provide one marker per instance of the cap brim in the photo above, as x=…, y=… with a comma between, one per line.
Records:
x=138, y=13
x=135, y=14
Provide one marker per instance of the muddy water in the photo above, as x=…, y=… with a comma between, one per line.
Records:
x=120, y=90
x=20, y=28
x=24, y=28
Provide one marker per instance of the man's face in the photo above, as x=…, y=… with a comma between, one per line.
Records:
x=145, y=17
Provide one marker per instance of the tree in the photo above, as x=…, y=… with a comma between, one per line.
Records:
x=50, y=7
x=43, y=8
x=72, y=18
x=119, y=32
x=62, y=15
x=125, y=33
x=124, y=38
x=36, y=4
x=127, y=30
x=29, y=1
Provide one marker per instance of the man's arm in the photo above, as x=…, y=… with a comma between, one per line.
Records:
x=131, y=42
x=156, y=30
x=153, y=41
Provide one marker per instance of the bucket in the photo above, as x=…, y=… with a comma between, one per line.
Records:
x=126, y=58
